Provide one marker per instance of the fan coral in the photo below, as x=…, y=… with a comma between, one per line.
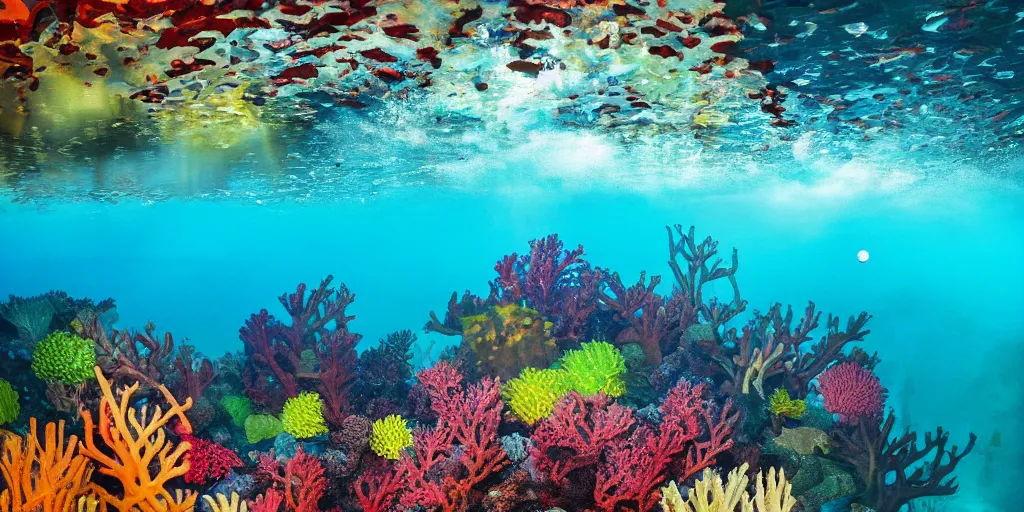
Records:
x=135, y=438
x=259, y=427
x=596, y=368
x=780, y=404
x=10, y=408
x=65, y=358
x=852, y=392
x=42, y=473
x=533, y=395
x=31, y=316
x=238, y=407
x=303, y=416
x=390, y=436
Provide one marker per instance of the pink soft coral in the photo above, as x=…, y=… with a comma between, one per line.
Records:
x=852, y=392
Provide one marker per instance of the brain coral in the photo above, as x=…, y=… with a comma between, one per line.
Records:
x=64, y=357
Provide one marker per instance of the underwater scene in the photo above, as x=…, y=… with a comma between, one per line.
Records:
x=511, y=255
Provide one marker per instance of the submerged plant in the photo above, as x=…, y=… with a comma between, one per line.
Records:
x=9, y=406
x=303, y=416
x=389, y=436
x=65, y=358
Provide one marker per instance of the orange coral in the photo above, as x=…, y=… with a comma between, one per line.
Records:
x=136, y=440
x=42, y=477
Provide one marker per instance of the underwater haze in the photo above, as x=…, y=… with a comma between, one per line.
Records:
x=295, y=189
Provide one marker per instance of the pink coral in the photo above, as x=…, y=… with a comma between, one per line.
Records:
x=852, y=392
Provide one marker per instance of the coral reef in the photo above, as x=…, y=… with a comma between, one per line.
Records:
x=667, y=394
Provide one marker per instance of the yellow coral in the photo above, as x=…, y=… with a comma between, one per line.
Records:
x=781, y=404
x=710, y=494
x=390, y=436
x=303, y=416
x=532, y=395
x=223, y=504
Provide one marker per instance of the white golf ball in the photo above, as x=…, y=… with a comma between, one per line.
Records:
x=862, y=256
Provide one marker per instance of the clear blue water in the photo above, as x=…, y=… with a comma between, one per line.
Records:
x=418, y=196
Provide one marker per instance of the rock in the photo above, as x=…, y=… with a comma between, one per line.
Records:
x=804, y=440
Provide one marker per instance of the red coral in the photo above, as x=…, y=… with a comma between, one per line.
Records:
x=576, y=433
x=635, y=468
x=268, y=502
x=208, y=461
x=450, y=459
x=319, y=326
x=852, y=392
x=302, y=484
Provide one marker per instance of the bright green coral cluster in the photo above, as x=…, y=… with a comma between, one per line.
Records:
x=303, y=416
x=597, y=367
x=780, y=404
x=259, y=427
x=533, y=394
x=9, y=406
x=238, y=407
x=64, y=357
x=390, y=436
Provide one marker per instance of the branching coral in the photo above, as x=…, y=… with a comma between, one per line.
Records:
x=192, y=377
x=207, y=461
x=711, y=495
x=136, y=438
x=43, y=474
x=918, y=471
x=316, y=349
x=126, y=356
x=642, y=311
x=221, y=503
x=301, y=484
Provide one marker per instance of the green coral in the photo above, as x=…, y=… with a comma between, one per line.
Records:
x=238, y=407
x=303, y=416
x=64, y=357
x=782, y=405
x=259, y=427
x=597, y=367
x=533, y=394
x=9, y=406
x=389, y=436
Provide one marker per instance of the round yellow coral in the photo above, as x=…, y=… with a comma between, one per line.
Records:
x=390, y=436
x=532, y=395
x=303, y=416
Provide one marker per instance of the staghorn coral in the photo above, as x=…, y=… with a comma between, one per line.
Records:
x=315, y=351
x=45, y=474
x=711, y=495
x=920, y=471
x=65, y=358
x=136, y=437
x=641, y=311
x=390, y=436
x=303, y=416
x=221, y=503
x=10, y=408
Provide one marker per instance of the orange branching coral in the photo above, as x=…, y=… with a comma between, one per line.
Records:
x=136, y=440
x=42, y=476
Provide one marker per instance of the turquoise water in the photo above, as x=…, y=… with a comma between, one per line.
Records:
x=943, y=280
x=195, y=161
